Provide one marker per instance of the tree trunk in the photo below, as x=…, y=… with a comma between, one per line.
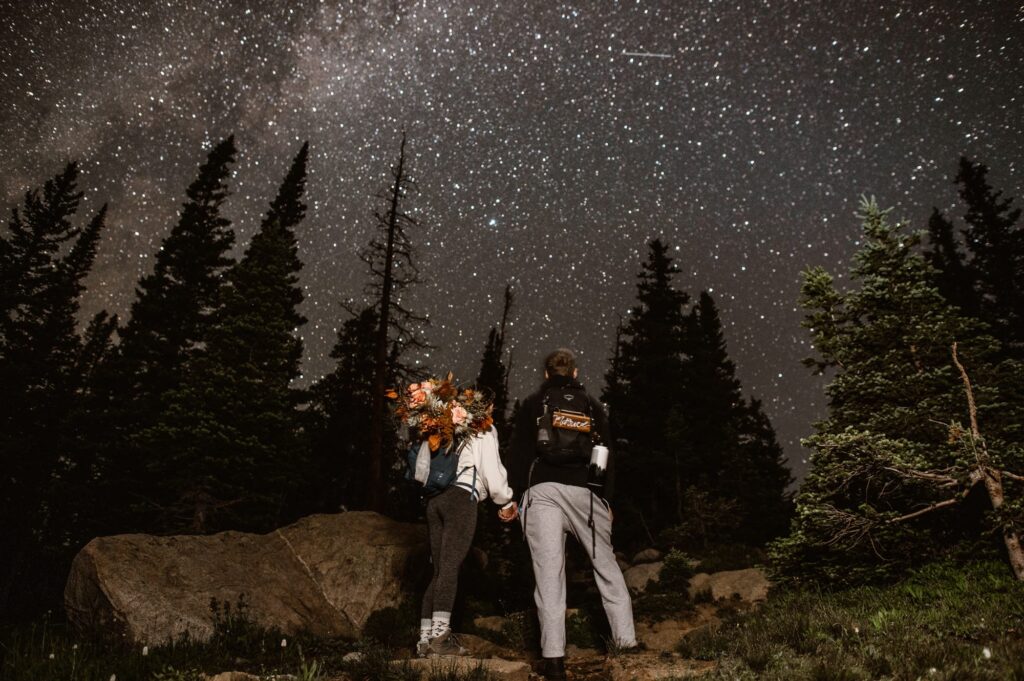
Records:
x=993, y=478
x=994, y=487
x=376, y=483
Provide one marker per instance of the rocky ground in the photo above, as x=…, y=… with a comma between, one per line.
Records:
x=659, y=636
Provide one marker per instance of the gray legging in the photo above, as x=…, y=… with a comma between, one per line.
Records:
x=451, y=521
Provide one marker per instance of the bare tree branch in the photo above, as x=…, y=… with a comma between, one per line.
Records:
x=928, y=509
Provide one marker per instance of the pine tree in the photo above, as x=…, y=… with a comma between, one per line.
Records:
x=996, y=242
x=953, y=277
x=884, y=466
x=168, y=323
x=341, y=404
x=173, y=306
x=733, y=468
x=762, y=482
x=494, y=374
x=41, y=372
x=228, y=438
x=642, y=387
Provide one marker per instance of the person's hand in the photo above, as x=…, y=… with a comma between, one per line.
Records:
x=507, y=515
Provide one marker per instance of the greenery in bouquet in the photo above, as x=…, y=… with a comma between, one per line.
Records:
x=441, y=411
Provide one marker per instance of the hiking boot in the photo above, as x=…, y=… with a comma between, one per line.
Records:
x=422, y=648
x=446, y=644
x=553, y=668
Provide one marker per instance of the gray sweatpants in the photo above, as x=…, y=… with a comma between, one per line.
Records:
x=551, y=511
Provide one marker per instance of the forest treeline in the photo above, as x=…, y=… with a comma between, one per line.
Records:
x=185, y=416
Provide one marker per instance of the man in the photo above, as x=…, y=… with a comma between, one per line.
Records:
x=551, y=464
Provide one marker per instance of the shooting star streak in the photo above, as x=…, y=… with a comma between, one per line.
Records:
x=648, y=54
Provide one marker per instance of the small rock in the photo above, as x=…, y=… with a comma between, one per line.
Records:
x=699, y=583
x=495, y=623
x=751, y=585
x=233, y=676
x=638, y=576
x=481, y=647
x=647, y=556
x=354, y=656
x=500, y=670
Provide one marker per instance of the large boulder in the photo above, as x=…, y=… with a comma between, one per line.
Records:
x=325, y=574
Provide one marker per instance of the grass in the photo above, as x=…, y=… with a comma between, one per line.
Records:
x=944, y=623
x=47, y=649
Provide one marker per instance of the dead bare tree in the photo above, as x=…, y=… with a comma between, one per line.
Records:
x=389, y=257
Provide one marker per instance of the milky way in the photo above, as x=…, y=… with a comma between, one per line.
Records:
x=550, y=141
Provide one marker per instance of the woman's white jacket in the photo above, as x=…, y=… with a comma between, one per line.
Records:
x=479, y=455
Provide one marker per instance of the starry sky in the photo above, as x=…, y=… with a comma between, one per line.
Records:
x=550, y=140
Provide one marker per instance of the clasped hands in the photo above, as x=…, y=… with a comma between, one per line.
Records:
x=507, y=515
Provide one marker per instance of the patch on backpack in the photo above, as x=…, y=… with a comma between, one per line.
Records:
x=570, y=420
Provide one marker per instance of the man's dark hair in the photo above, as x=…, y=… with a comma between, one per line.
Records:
x=561, y=362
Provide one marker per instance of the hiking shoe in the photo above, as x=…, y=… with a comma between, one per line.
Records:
x=553, y=669
x=422, y=648
x=446, y=644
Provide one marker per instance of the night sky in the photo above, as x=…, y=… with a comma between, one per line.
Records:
x=550, y=141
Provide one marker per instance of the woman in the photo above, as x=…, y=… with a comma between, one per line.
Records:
x=451, y=521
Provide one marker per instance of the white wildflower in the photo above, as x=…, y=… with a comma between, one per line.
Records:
x=113, y=677
x=856, y=629
x=933, y=670
x=284, y=643
x=52, y=656
x=74, y=646
x=986, y=653
x=145, y=650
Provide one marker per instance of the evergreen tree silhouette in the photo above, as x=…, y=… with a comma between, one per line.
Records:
x=954, y=278
x=168, y=324
x=227, y=445
x=42, y=360
x=494, y=374
x=996, y=243
x=173, y=306
x=643, y=385
x=727, y=450
x=341, y=404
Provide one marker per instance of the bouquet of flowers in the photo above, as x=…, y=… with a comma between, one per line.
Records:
x=441, y=411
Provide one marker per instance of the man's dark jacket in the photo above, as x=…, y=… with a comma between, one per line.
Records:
x=524, y=444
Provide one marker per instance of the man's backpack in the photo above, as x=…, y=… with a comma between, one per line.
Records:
x=565, y=429
x=444, y=469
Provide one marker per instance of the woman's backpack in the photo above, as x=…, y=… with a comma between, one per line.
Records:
x=444, y=469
